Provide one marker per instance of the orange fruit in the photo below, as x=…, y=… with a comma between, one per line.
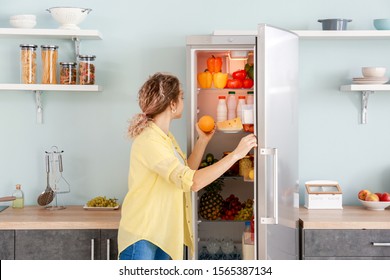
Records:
x=206, y=123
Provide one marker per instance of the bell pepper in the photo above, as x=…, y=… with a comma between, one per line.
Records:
x=214, y=64
x=234, y=83
x=240, y=75
x=247, y=83
x=220, y=79
x=205, y=79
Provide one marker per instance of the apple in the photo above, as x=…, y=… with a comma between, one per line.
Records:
x=385, y=196
x=379, y=195
x=363, y=194
x=372, y=197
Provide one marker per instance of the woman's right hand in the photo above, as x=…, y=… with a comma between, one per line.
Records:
x=246, y=144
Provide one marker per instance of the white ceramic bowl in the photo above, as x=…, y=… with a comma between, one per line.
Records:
x=23, y=23
x=373, y=71
x=375, y=205
x=29, y=17
x=69, y=17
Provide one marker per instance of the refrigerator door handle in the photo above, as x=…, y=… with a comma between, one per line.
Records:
x=274, y=152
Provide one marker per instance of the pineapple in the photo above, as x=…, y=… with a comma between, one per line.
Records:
x=210, y=204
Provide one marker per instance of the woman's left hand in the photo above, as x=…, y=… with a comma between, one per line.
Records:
x=203, y=135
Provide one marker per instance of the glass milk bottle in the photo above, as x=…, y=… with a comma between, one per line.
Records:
x=241, y=102
x=221, y=109
x=249, y=97
x=19, y=197
x=231, y=105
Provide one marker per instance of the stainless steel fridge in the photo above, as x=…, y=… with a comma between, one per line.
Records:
x=275, y=188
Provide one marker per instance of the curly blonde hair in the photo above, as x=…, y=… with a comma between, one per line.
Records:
x=154, y=97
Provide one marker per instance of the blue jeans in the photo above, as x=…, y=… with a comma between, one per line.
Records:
x=143, y=250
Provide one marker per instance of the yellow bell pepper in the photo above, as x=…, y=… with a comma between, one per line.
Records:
x=205, y=79
x=220, y=79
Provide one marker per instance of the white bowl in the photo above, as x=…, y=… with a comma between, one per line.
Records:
x=373, y=71
x=29, y=17
x=23, y=23
x=69, y=17
x=375, y=205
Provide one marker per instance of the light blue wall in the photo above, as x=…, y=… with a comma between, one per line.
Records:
x=142, y=37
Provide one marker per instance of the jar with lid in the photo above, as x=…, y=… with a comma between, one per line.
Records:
x=28, y=64
x=19, y=197
x=68, y=73
x=86, y=69
x=245, y=165
x=49, y=55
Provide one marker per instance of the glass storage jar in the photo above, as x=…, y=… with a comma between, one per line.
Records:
x=245, y=165
x=86, y=69
x=49, y=55
x=28, y=64
x=68, y=73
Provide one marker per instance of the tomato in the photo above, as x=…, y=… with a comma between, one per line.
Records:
x=240, y=75
x=234, y=83
x=247, y=83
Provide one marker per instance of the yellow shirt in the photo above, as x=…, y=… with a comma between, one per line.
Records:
x=157, y=206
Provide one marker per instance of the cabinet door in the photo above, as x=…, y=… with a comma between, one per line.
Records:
x=7, y=244
x=345, y=244
x=109, y=244
x=57, y=244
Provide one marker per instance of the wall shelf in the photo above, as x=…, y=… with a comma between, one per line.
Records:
x=50, y=33
x=343, y=34
x=50, y=87
x=365, y=90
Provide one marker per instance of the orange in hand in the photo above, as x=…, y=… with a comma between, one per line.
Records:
x=206, y=123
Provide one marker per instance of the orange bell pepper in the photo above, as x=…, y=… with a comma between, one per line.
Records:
x=214, y=64
x=220, y=79
x=205, y=79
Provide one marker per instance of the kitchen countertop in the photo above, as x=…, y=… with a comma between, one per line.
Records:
x=72, y=217
x=351, y=217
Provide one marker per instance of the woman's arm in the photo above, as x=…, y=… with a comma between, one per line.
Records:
x=205, y=176
x=195, y=158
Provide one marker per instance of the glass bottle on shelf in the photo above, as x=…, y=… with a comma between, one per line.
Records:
x=221, y=109
x=19, y=197
x=241, y=102
x=231, y=105
x=249, y=97
x=28, y=64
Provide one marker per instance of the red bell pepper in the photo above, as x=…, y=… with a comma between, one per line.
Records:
x=247, y=83
x=239, y=75
x=234, y=83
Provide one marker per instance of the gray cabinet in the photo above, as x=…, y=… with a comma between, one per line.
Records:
x=69, y=244
x=7, y=244
x=344, y=244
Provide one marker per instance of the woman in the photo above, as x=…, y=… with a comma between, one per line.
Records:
x=156, y=213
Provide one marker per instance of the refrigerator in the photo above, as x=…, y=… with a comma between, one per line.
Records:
x=273, y=52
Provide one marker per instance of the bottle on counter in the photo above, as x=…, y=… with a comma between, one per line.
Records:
x=86, y=69
x=28, y=64
x=241, y=102
x=221, y=109
x=248, y=233
x=249, y=97
x=49, y=55
x=231, y=105
x=19, y=201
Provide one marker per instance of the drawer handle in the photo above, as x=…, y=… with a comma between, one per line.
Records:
x=378, y=244
x=92, y=249
x=108, y=248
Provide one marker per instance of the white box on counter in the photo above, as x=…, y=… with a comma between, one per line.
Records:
x=323, y=194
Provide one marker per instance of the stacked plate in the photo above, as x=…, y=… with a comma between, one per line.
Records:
x=372, y=75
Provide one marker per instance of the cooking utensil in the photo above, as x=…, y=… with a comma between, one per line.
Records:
x=7, y=198
x=47, y=195
x=61, y=168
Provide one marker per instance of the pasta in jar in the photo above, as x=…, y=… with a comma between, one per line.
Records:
x=68, y=73
x=49, y=55
x=86, y=70
x=28, y=64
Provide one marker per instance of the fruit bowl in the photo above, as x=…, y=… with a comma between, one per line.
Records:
x=375, y=205
x=69, y=17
